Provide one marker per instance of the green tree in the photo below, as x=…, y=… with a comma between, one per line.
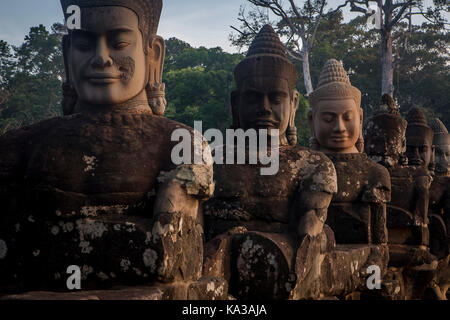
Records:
x=31, y=78
x=199, y=83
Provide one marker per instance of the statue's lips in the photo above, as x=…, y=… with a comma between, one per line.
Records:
x=339, y=138
x=264, y=123
x=416, y=162
x=103, y=78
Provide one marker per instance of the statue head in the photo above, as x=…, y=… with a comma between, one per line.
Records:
x=419, y=139
x=384, y=134
x=116, y=59
x=266, y=97
x=335, y=114
x=441, y=142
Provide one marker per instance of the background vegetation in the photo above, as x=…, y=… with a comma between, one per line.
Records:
x=199, y=80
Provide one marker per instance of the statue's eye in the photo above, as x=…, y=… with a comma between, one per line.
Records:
x=82, y=45
x=252, y=97
x=121, y=45
x=276, y=98
x=348, y=116
x=327, y=117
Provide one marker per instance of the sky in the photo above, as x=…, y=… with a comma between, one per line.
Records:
x=198, y=22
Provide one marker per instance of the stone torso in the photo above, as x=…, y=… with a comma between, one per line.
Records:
x=403, y=180
x=81, y=165
x=440, y=195
x=361, y=181
x=244, y=197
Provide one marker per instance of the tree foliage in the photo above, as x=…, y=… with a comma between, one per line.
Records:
x=30, y=78
x=199, y=81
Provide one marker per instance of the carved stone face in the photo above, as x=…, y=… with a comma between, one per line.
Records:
x=419, y=151
x=106, y=58
x=337, y=125
x=442, y=157
x=265, y=103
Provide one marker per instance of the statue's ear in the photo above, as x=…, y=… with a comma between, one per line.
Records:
x=234, y=101
x=311, y=122
x=70, y=97
x=65, y=50
x=294, y=106
x=156, y=56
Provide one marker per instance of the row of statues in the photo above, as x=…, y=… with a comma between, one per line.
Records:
x=97, y=188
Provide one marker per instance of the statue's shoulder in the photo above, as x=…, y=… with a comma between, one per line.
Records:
x=164, y=122
x=28, y=133
x=378, y=188
x=318, y=171
x=16, y=144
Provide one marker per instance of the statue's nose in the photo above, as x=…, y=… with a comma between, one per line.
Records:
x=101, y=58
x=265, y=108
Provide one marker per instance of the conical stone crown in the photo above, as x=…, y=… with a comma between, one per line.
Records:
x=334, y=84
x=416, y=117
x=266, y=42
x=438, y=127
x=333, y=72
x=418, y=128
x=266, y=57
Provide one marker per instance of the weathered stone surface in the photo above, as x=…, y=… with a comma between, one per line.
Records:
x=108, y=249
x=361, y=184
x=97, y=188
x=205, y=289
x=334, y=272
x=253, y=221
x=217, y=257
x=244, y=197
x=208, y=288
x=262, y=266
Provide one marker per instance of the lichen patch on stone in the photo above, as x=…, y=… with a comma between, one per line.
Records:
x=150, y=256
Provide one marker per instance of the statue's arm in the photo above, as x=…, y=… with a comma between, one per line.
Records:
x=377, y=194
x=422, y=186
x=314, y=213
x=178, y=220
x=379, y=228
x=315, y=194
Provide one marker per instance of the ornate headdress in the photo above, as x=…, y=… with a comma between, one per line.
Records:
x=334, y=84
x=386, y=127
x=441, y=135
x=148, y=11
x=266, y=57
x=417, y=127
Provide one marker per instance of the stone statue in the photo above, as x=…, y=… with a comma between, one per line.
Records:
x=266, y=234
x=253, y=215
x=440, y=191
x=441, y=141
x=97, y=188
x=385, y=143
x=419, y=140
x=384, y=135
x=363, y=186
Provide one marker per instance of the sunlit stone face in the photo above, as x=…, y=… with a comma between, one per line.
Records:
x=337, y=125
x=106, y=58
x=265, y=103
x=419, y=151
